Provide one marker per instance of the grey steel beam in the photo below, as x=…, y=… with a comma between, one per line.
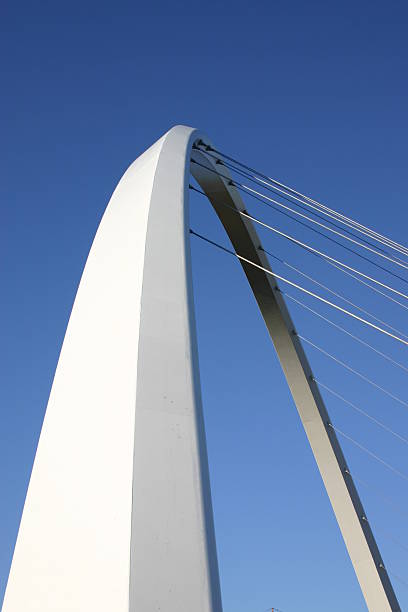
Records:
x=359, y=539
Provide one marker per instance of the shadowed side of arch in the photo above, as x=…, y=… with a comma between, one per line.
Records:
x=362, y=548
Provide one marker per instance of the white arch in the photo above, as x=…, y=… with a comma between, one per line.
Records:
x=118, y=512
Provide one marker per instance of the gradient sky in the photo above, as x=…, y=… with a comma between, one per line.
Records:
x=315, y=94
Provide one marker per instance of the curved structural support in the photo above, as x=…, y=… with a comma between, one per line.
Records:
x=362, y=548
x=118, y=513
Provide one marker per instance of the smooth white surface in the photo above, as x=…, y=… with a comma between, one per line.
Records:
x=73, y=546
x=118, y=514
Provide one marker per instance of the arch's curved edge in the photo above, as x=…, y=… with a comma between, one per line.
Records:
x=118, y=513
x=362, y=548
x=124, y=412
x=174, y=561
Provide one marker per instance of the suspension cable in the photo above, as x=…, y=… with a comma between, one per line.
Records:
x=370, y=453
x=326, y=227
x=329, y=238
x=397, y=577
x=360, y=411
x=356, y=278
x=345, y=331
x=336, y=264
x=318, y=297
x=339, y=295
x=301, y=204
x=311, y=249
x=362, y=282
x=396, y=508
x=392, y=538
x=313, y=280
x=353, y=371
x=265, y=199
x=307, y=200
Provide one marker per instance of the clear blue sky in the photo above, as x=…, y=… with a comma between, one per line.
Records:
x=315, y=94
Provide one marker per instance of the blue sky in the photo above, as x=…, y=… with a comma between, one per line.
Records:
x=314, y=94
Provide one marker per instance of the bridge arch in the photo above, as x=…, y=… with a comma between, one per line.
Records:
x=118, y=513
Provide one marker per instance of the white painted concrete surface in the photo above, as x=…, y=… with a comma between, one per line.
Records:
x=77, y=541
